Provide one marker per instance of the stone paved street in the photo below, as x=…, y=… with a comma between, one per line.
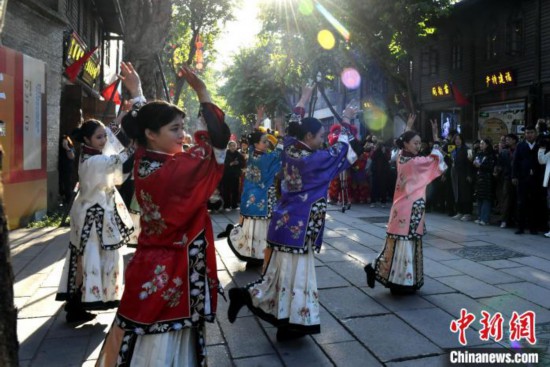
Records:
x=466, y=266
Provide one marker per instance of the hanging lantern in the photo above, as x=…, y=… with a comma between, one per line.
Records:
x=198, y=54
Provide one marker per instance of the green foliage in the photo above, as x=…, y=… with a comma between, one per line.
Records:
x=50, y=220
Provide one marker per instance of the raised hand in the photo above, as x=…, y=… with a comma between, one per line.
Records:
x=435, y=129
x=410, y=121
x=130, y=79
x=196, y=83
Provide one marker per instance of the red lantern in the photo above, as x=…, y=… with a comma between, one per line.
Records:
x=198, y=54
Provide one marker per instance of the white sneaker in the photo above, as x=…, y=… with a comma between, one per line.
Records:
x=482, y=223
x=466, y=218
x=373, y=205
x=547, y=234
x=477, y=221
x=227, y=209
x=458, y=216
x=503, y=225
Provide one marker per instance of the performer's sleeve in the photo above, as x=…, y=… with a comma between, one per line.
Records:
x=431, y=166
x=215, y=124
x=543, y=158
x=332, y=161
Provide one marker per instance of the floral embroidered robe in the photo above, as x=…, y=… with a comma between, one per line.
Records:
x=413, y=175
x=171, y=282
x=258, y=196
x=400, y=264
x=299, y=215
x=98, y=214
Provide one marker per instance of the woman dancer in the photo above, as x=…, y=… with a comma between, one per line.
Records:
x=248, y=239
x=100, y=223
x=286, y=295
x=171, y=282
x=400, y=265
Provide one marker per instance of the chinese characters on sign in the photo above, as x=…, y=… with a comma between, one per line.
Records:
x=520, y=326
x=499, y=78
x=75, y=50
x=441, y=90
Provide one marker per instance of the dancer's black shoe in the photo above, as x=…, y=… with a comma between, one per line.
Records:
x=226, y=232
x=402, y=291
x=371, y=275
x=237, y=299
x=284, y=334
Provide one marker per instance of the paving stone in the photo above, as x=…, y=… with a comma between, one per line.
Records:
x=214, y=333
x=331, y=330
x=396, y=302
x=30, y=333
x=435, y=269
x=351, y=270
x=534, y=262
x=481, y=272
x=218, y=356
x=439, y=255
x=371, y=331
x=434, y=324
x=351, y=353
x=432, y=286
x=299, y=352
x=453, y=303
x=327, y=256
x=328, y=278
x=442, y=244
x=27, y=286
x=42, y=303
x=349, y=302
x=500, y=264
x=508, y=303
x=55, y=352
x=471, y=286
x=436, y=361
x=530, y=292
x=249, y=343
x=270, y=360
x=354, y=249
x=538, y=277
x=486, y=252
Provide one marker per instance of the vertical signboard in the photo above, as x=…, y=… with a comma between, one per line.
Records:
x=23, y=135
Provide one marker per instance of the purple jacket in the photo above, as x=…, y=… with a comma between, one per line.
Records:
x=299, y=215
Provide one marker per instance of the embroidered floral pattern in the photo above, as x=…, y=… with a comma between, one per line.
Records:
x=417, y=213
x=158, y=282
x=95, y=215
x=316, y=220
x=292, y=180
x=173, y=294
x=148, y=166
x=297, y=152
x=253, y=173
x=154, y=223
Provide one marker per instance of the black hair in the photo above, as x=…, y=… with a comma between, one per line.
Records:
x=255, y=137
x=406, y=137
x=152, y=116
x=461, y=139
x=86, y=130
x=489, y=149
x=530, y=127
x=307, y=125
x=513, y=137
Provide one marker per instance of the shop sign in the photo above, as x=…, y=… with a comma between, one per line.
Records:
x=441, y=90
x=75, y=49
x=500, y=78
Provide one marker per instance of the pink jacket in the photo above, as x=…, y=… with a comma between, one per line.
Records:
x=413, y=175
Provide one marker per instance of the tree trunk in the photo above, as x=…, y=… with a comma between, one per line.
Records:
x=9, y=347
x=147, y=25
